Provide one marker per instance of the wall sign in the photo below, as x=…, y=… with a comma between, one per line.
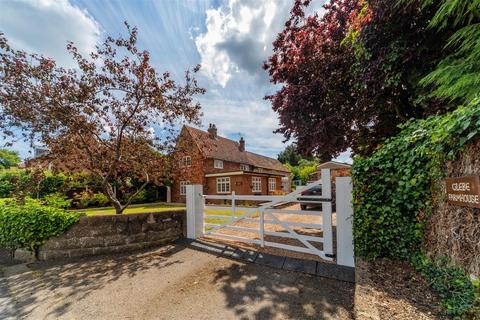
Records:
x=464, y=191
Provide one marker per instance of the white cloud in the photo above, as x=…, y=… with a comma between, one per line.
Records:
x=239, y=37
x=253, y=120
x=45, y=26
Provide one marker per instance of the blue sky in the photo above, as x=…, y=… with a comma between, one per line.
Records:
x=230, y=39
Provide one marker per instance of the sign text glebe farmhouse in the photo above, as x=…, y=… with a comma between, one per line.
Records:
x=464, y=191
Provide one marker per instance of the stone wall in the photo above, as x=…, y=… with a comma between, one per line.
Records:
x=454, y=231
x=115, y=234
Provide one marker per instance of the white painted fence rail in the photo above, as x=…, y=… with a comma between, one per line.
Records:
x=267, y=213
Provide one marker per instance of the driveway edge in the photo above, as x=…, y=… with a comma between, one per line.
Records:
x=365, y=302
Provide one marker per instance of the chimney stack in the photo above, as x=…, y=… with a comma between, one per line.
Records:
x=241, y=145
x=212, y=131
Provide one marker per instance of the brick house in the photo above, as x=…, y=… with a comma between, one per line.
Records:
x=222, y=165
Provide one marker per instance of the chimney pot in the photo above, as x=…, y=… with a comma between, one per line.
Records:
x=212, y=131
x=241, y=144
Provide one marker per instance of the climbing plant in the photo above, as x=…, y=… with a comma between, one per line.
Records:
x=393, y=187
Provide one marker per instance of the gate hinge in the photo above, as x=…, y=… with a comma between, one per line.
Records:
x=330, y=255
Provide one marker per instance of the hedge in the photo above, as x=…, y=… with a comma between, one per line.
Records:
x=29, y=225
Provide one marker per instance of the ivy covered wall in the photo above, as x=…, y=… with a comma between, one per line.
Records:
x=400, y=210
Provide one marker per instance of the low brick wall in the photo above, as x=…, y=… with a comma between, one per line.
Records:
x=115, y=233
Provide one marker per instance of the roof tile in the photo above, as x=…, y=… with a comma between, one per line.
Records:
x=225, y=149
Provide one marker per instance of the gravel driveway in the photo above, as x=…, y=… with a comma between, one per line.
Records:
x=172, y=282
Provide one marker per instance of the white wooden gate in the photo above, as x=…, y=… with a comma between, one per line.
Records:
x=205, y=220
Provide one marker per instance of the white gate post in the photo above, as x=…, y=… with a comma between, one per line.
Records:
x=327, y=228
x=327, y=212
x=326, y=183
x=345, y=254
x=195, y=206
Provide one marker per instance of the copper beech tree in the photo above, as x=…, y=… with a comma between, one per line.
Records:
x=98, y=117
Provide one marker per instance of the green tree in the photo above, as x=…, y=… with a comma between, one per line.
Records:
x=292, y=156
x=8, y=158
x=306, y=168
x=457, y=76
x=303, y=169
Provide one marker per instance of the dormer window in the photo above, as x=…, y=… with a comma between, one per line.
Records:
x=218, y=164
x=186, y=161
x=244, y=167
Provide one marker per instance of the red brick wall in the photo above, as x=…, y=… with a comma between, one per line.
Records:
x=227, y=166
x=194, y=173
x=242, y=185
x=344, y=172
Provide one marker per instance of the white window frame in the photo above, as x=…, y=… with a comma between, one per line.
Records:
x=218, y=164
x=186, y=161
x=183, y=187
x=272, y=184
x=256, y=184
x=244, y=167
x=223, y=185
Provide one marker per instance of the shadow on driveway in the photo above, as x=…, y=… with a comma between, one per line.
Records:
x=288, y=294
x=172, y=282
x=62, y=283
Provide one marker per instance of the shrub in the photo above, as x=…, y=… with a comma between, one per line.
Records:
x=451, y=283
x=57, y=200
x=6, y=200
x=51, y=183
x=99, y=199
x=13, y=180
x=29, y=225
x=140, y=197
x=83, y=199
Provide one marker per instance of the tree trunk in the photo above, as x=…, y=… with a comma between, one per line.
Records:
x=113, y=198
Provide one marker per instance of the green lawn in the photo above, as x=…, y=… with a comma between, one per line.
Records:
x=220, y=212
x=135, y=208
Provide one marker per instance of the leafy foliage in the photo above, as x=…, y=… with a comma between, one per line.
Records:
x=81, y=188
x=8, y=159
x=291, y=156
x=393, y=49
x=456, y=289
x=14, y=182
x=303, y=170
x=351, y=76
x=457, y=76
x=57, y=200
x=29, y=225
x=311, y=64
x=393, y=187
